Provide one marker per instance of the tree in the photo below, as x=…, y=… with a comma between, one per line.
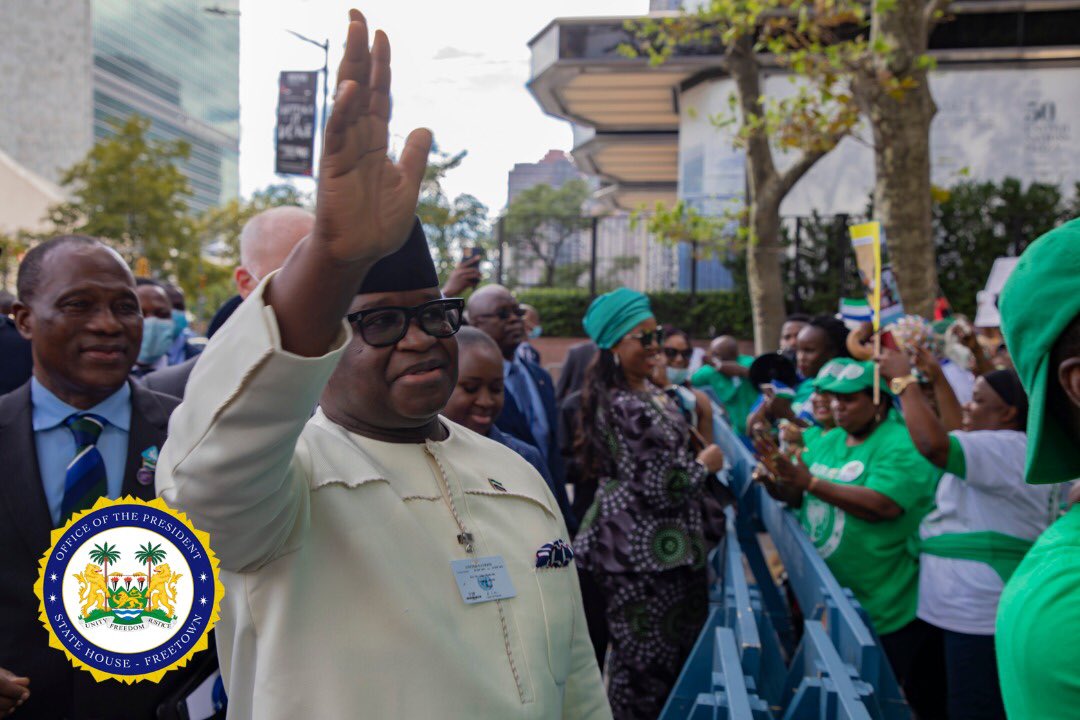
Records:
x=450, y=224
x=976, y=222
x=876, y=61
x=218, y=228
x=151, y=555
x=104, y=554
x=750, y=35
x=129, y=191
x=889, y=82
x=541, y=220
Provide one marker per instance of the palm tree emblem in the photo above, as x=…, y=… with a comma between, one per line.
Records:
x=151, y=555
x=104, y=554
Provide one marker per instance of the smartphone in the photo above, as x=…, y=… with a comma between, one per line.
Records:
x=473, y=252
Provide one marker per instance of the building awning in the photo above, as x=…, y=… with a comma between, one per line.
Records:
x=25, y=198
x=625, y=112
x=636, y=169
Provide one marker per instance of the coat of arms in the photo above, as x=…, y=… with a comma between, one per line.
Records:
x=129, y=590
x=127, y=598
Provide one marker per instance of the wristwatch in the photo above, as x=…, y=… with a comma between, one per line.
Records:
x=898, y=385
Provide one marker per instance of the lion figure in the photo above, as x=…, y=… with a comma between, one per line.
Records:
x=162, y=590
x=93, y=590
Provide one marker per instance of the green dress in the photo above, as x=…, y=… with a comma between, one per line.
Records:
x=872, y=558
x=736, y=394
x=1038, y=618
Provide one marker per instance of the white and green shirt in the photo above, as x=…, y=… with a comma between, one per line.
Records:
x=983, y=491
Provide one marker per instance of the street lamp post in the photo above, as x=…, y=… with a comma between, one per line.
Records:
x=325, y=45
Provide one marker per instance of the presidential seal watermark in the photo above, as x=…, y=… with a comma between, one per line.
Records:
x=129, y=590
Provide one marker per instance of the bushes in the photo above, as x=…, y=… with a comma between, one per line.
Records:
x=707, y=315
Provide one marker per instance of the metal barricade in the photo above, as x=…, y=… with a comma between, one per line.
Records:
x=746, y=663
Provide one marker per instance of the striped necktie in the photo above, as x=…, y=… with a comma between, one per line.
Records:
x=85, y=479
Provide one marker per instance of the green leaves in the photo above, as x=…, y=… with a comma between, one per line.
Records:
x=542, y=219
x=130, y=190
x=450, y=224
x=683, y=223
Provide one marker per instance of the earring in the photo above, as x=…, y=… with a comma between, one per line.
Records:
x=618, y=362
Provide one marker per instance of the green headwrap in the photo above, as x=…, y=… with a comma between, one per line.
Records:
x=612, y=315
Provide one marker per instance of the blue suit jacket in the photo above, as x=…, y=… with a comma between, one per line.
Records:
x=512, y=421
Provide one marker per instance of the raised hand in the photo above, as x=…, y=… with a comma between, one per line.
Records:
x=365, y=206
x=366, y=203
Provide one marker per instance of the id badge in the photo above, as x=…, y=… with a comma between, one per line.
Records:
x=483, y=579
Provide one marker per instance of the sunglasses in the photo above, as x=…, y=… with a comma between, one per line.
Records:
x=503, y=313
x=672, y=353
x=648, y=338
x=385, y=326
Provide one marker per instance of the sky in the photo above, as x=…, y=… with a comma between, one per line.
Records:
x=459, y=68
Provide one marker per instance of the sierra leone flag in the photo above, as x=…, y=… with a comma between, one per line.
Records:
x=854, y=311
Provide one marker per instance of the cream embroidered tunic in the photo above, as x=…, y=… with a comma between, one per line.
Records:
x=335, y=552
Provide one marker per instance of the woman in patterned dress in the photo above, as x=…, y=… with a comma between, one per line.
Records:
x=642, y=540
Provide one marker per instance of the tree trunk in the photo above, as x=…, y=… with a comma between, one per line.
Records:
x=763, y=253
x=901, y=130
x=764, y=276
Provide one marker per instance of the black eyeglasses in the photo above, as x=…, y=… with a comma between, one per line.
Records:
x=673, y=353
x=384, y=326
x=503, y=313
x=648, y=338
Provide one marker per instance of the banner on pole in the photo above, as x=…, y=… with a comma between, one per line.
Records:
x=296, y=123
x=878, y=280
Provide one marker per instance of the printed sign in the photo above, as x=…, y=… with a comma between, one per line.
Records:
x=296, y=123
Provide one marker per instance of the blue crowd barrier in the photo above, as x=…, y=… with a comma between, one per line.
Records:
x=746, y=663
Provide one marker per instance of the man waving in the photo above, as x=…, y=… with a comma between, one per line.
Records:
x=379, y=560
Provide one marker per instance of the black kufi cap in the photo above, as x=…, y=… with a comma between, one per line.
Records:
x=410, y=268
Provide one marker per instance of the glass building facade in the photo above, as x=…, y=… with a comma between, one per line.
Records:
x=178, y=65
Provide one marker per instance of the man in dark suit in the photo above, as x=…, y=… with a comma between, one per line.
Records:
x=529, y=411
x=78, y=308
x=572, y=375
x=15, y=360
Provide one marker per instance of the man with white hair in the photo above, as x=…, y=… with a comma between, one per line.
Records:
x=265, y=241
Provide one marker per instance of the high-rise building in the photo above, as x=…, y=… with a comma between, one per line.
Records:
x=554, y=169
x=70, y=68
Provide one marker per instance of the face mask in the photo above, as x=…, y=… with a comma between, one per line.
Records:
x=536, y=332
x=179, y=319
x=156, y=338
x=677, y=376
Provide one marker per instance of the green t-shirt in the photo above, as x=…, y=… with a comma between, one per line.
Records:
x=1038, y=623
x=872, y=558
x=736, y=394
x=812, y=434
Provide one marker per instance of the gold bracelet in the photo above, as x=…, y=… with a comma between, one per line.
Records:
x=813, y=484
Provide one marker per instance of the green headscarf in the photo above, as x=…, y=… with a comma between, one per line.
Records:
x=614, y=314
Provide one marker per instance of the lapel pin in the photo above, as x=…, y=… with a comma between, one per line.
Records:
x=145, y=474
x=497, y=485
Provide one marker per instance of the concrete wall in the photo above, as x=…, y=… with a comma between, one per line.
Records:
x=46, y=86
x=992, y=123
